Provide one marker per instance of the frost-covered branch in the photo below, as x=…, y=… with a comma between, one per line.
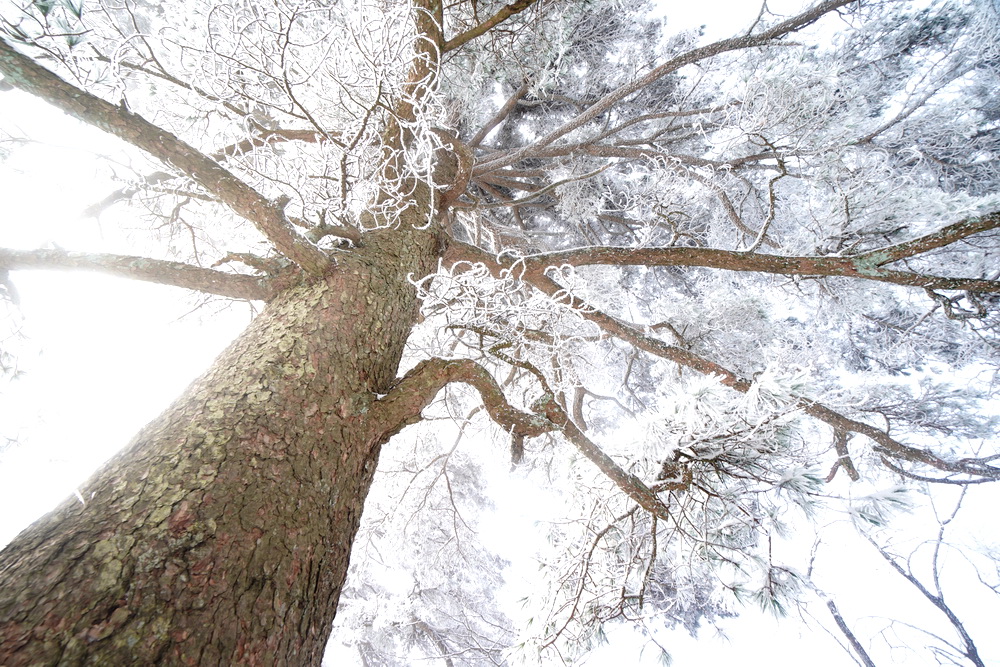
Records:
x=269, y=216
x=611, y=99
x=886, y=445
x=846, y=631
x=633, y=487
x=262, y=136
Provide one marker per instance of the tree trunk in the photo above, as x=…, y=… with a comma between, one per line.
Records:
x=222, y=533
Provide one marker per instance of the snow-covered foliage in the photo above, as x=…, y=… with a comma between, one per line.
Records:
x=875, y=125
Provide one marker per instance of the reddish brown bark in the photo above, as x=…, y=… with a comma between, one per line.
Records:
x=222, y=534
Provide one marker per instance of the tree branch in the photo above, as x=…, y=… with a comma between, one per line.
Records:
x=970, y=650
x=268, y=216
x=415, y=391
x=846, y=630
x=939, y=239
x=631, y=485
x=260, y=138
x=595, y=110
x=844, y=461
x=411, y=394
x=177, y=274
x=499, y=116
x=866, y=266
x=490, y=23
x=885, y=444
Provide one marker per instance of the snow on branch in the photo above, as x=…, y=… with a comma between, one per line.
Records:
x=866, y=266
x=268, y=216
x=971, y=469
x=614, y=97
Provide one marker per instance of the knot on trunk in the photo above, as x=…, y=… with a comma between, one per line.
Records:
x=452, y=167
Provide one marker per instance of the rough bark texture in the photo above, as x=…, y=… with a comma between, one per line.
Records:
x=222, y=534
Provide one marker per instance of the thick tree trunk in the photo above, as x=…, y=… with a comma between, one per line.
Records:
x=222, y=534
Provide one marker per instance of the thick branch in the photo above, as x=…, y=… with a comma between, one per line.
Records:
x=867, y=266
x=414, y=391
x=421, y=79
x=939, y=239
x=594, y=111
x=260, y=138
x=402, y=406
x=268, y=216
x=158, y=271
x=631, y=485
x=490, y=23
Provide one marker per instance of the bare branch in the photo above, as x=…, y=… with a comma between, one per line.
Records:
x=969, y=650
x=267, y=215
x=158, y=271
x=414, y=391
x=846, y=630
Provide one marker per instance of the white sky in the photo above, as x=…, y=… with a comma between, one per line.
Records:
x=103, y=356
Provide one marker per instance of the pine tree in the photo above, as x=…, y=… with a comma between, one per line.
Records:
x=688, y=282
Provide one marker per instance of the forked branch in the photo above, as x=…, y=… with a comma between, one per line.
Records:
x=415, y=391
x=412, y=393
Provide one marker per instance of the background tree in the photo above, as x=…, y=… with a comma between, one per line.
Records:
x=694, y=285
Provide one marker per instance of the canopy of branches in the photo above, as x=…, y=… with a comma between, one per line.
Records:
x=754, y=283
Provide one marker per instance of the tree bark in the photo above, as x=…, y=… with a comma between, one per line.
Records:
x=222, y=533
